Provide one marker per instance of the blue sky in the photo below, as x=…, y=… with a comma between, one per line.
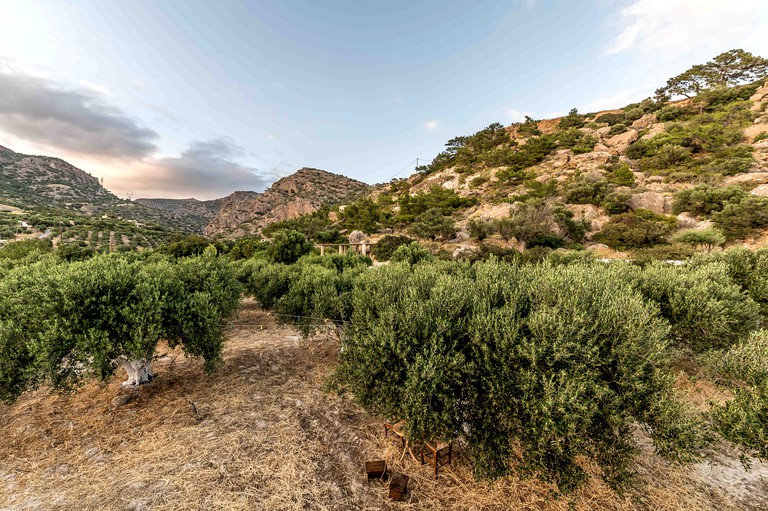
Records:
x=201, y=98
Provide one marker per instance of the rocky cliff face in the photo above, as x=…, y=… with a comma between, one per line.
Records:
x=300, y=193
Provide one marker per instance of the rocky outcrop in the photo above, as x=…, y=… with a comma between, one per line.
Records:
x=47, y=181
x=652, y=201
x=760, y=97
x=298, y=194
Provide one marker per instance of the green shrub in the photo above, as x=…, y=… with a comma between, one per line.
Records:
x=386, y=246
x=616, y=202
x=744, y=420
x=708, y=238
x=575, y=140
x=433, y=225
x=617, y=129
x=763, y=135
x=613, y=119
x=288, y=246
x=538, y=364
x=411, y=254
x=622, y=175
x=480, y=228
x=572, y=120
x=706, y=309
x=744, y=363
x=705, y=199
x=744, y=218
x=636, y=229
x=585, y=189
x=478, y=181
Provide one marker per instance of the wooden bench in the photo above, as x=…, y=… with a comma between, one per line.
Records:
x=438, y=454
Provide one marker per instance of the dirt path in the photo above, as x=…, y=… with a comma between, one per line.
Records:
x=259, y=433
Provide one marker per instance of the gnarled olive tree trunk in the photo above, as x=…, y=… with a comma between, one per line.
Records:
x=139, y=371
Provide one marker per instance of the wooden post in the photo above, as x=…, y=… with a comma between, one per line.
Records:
x=341, y=249
x=322, y=249
x=363, y=248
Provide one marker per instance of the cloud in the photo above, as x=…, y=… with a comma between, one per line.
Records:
x=430, y=125
x=687, y=25
x=206, y=169
x=618, y=99
x=516, y=115
x=75, y=121
x=95, y=87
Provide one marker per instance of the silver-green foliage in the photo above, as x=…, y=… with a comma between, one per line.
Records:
x=744, y=420
x=558, y=360
x=61, y=323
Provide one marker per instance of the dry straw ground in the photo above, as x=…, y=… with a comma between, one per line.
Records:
x=260, y=434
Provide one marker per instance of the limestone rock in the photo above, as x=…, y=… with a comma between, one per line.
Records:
x=687, y=220
x=751, y=178
x=761, y=190
x=652, y=201
x=644, y=122
x=759, y=97
x=589, y=162
x=357, y=237
x=750, y=132
x=653, y=131
x=598, y=247
x=561, y=158
x=620, y=142
x=464, y=251
x=300, y=193
x=603, y=132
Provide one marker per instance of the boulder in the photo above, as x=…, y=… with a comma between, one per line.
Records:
x=561, y=158
x=644, y=122
x=761, y=190
x=620, y=142
x=602, y=132
x=750, y=132
x=652, y=201
x=653, y=131
x=357, y=237
x=687, y=220
x=751, y=178
x=589, y=162
x=464, y=251
x=759, y=97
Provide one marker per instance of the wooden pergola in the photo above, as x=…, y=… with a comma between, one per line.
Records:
x=365, y=249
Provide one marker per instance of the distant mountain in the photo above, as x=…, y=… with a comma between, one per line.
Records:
x=30, y=182
x=41, y=180
x=300, y=193
x=190, y=211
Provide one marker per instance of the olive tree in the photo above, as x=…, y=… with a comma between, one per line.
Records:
x=63, y=323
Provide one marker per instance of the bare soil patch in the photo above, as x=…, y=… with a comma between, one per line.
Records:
x=260, y=433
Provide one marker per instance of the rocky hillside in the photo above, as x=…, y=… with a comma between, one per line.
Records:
x=42, y=180
x=301, y=193
x=657, y=179
x=195, y=213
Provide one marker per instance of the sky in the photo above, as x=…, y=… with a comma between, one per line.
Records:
x=191, y=98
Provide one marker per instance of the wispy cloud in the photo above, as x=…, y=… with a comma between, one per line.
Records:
x=430, y=125
x=95, y=87
x=515, y=115
x=78, y=121
x=616, y=100
x=685, y=25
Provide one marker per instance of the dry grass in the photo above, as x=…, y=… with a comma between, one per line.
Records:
x=261, y=434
